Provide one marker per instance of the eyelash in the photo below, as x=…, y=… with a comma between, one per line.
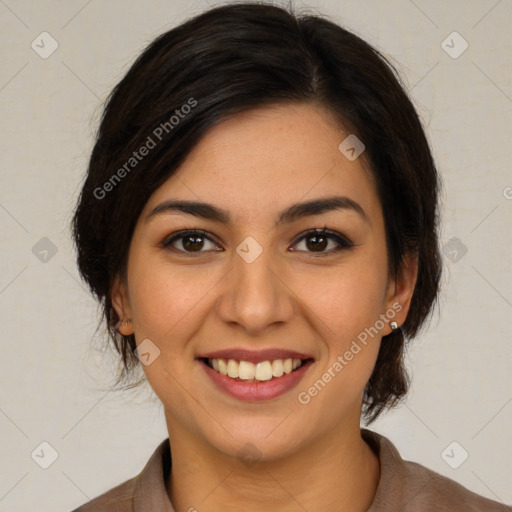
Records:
x=342, y=241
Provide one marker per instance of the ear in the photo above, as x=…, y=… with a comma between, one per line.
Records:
x=121, y=304
x=400, y=291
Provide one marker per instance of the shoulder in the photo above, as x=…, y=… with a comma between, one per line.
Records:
x=145, y=492
x=410, y=487
x=427, y=490
x=117, y=499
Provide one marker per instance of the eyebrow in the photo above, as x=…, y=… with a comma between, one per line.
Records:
x=288, y=215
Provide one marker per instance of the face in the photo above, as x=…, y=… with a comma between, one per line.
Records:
x=253, y=283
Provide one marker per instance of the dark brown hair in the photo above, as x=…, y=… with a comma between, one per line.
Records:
x=239, y=57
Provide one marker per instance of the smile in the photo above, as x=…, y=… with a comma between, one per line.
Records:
x=248, y=371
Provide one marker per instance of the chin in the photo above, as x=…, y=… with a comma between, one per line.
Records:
x=255, y=439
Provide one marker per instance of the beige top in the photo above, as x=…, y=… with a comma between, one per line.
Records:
x=403, y=487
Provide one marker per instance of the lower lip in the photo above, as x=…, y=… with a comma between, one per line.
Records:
x=257, y=391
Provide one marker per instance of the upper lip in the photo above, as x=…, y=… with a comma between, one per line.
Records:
x=255, y=356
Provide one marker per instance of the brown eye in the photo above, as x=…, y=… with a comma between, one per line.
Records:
x=316, y=241
x=188, y=241
x=322, y=242
x=193, y=242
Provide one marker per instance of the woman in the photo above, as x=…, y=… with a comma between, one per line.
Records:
x=259, y=221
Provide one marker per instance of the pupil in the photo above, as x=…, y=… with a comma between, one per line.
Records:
x=193, y=242
x=196, y=242
x=316, y=244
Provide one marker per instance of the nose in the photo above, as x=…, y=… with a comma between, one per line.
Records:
x=255, y=297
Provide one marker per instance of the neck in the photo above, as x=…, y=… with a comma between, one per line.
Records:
x=339, y=472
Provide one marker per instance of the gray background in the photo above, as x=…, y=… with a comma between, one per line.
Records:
x=56, y=384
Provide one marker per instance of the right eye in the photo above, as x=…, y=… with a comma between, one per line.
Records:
x=191, y=241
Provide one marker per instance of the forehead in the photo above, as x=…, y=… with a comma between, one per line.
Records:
x=258, y=162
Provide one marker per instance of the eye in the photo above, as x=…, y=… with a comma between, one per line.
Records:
x=189, y=241
x=317, y=240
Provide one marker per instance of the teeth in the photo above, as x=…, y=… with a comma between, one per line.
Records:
x=232, y=369
x=262, y=371
x=245, y=370
x=277, y=368
x=223, y=366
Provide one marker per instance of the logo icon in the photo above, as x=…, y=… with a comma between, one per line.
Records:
x=454, y=249
x=454, y=455
x=146, y=352
x=351, y=147
x=44, y=250
x=44, y=45
x=454, y=45
x=249, y=454
x=44, y=455
x=249, y=249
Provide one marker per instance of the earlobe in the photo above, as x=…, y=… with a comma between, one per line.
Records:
x=121, y=304
x=401, y=290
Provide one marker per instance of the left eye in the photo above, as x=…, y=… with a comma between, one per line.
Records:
x=316, y=241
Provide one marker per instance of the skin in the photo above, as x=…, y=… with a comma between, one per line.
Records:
x=310, y=457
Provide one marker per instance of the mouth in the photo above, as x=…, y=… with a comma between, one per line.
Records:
x=255, y=376
x=248, y=371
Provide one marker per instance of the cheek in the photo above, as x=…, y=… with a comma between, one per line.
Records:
x=165, y=303
x=349, y=308
x=163, y=295
x=348, y=302
x=347, y=299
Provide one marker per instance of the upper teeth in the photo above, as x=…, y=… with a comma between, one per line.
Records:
x=246, y=370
